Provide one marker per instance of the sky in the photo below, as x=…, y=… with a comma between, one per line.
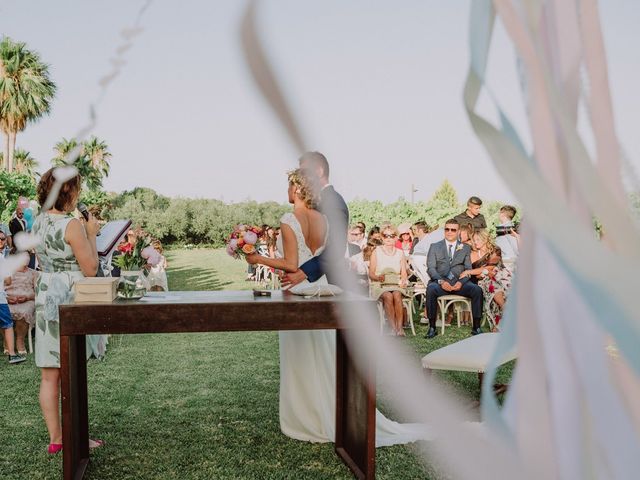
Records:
x=375, y=85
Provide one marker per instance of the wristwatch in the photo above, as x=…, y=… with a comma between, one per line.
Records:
x=485, y=272
x=440, y=282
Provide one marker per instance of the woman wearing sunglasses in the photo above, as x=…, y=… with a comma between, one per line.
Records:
x=388, y=274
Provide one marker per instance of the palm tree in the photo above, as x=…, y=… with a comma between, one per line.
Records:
x=23, y=162
x=91, y=162
x=26, y=92
x=97, y=153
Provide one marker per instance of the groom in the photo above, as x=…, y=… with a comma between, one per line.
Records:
x=331, y=262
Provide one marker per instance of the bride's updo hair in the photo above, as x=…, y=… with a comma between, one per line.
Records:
x=305, y=188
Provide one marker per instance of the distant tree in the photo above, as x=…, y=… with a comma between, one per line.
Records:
x=97, y=201
x=91, y=161
x=26, y=92
x=446, y=194
x=13, y=186
x=98, y=155
x=24, y=163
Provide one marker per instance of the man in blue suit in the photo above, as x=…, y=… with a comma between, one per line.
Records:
x=446, y=260
x=332, y=260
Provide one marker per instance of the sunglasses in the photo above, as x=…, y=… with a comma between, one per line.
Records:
x=3, y=239
x=450, y=229
x=389, y=235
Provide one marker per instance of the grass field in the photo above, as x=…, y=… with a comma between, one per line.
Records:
x=191, y=406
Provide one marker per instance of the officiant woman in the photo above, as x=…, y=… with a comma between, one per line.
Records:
x=66, y=252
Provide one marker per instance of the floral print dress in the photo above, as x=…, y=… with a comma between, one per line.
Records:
x=23, y=284
x=499, y=281
x=59, y=271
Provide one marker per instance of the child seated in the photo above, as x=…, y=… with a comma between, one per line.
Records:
x=21, y=296
x=6, y=323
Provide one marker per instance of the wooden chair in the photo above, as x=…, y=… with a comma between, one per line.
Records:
x=458, y=302
x=407, y=303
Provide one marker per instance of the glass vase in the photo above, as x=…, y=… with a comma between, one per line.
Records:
x=131, y=285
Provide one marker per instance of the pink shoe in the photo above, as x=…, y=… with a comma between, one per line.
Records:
x=96, y=444
x=54, y=448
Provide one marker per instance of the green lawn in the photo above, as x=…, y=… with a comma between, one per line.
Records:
x=191, y=406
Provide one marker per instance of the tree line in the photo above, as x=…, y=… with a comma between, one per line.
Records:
x=184, y=221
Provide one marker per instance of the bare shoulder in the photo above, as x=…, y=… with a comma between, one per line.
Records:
x=74, y=230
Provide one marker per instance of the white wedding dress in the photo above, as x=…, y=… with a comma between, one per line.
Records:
x=308, y=377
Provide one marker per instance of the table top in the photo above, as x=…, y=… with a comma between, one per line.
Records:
x=207, y=311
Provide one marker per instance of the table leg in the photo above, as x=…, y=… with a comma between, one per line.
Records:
x=75, y=411
x=355, y=413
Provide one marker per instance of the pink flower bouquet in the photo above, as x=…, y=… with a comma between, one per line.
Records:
x=242, y=240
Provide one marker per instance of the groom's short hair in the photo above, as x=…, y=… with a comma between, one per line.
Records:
x=315, y=159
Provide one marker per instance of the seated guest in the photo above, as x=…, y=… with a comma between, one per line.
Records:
x=368, y=250
x=21, y=294
x=420, y=231
x=271, y=242
x=466, y=233
x=359, y=263
x=508, y=238
x=446, y=260
x=263, y=240
x=404, y=241
x=7, y=235
x=6, y=323
x=375, y=233
x=158, y=274
x=4, y=244
x=363, y=229
x=388, y=274
x=472, y=214
x=435, y=235
x=488, y=271
x=354, y=241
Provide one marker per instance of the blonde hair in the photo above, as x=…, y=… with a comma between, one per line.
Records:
x=389, y=226
x=486, y=239
x=305, y=189
x=155, y=243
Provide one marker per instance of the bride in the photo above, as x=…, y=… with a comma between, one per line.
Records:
x=307, y=357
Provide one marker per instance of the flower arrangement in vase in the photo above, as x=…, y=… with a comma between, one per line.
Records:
x=134, y=258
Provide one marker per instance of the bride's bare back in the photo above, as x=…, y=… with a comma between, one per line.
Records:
x=314, y=227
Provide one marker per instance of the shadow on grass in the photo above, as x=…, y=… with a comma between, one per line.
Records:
x=195, y=278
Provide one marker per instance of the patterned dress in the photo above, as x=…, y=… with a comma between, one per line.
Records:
x=22, y=284
x=59, y=271
x=499, y=281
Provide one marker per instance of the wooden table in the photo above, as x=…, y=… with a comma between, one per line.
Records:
x=179, y=312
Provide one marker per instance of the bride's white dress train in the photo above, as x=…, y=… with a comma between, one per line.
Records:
x=308, y=378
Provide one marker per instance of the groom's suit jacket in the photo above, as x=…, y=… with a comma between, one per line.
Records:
x=331, y=260
x=440, y=267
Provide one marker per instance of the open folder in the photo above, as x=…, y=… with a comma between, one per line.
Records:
x=110, y=234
